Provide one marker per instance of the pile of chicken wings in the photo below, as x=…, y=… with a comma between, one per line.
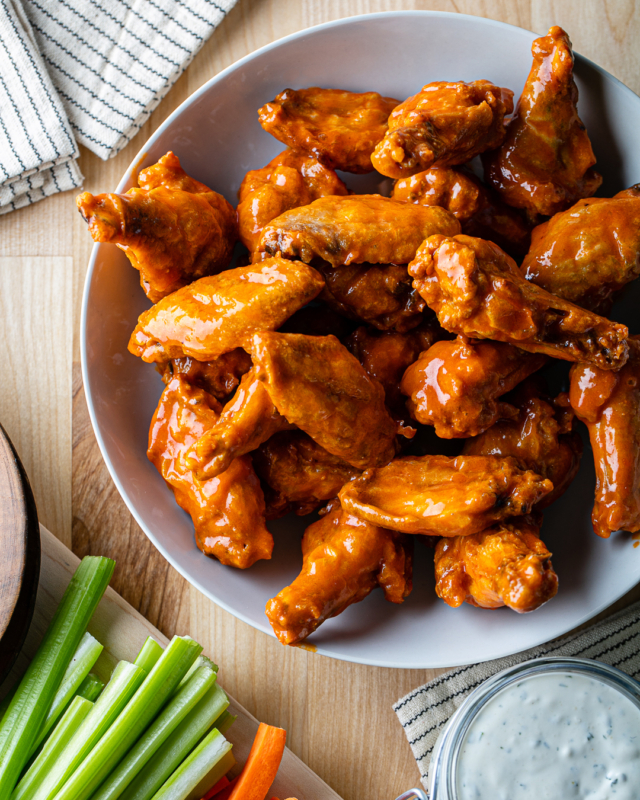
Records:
x=309, y=375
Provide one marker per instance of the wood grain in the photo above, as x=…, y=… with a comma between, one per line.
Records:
x=338, y=715
x=36, y=325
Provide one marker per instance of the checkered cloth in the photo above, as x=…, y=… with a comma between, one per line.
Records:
x=88, y=71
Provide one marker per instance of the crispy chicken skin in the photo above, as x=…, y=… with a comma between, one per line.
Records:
x=247, y=420
x=456, y=385
x=386, y=355
x=344, y=560
x=477, y=290
x=609, y=405
x=589, y=252
x=541, y=437
x=219, y=377
x=339, y=128
x=441, y=496
x=228, y=511
x=480, y=210
x=317, y=384
x=355, y=230
x=380, y=294
x=298, y=473
x=290, y=180
x=444, y=124
x=505, y=565
x=544, y=164
x=213, y=315
x=172, y=228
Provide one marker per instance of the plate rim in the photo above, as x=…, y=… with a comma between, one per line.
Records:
x=132, y=169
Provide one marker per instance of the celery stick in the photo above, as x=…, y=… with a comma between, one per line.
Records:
x=178, y=707
x=33, y=698
x=178, y=746
x=55, y=744
x=200, y=770
x=126, y=679
x=83, y=660
x=6, y=701
x=90, y=688
x=225, y=721
x=148, y=657
x=139, y=712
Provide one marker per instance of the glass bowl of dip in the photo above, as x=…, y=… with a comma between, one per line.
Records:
x=550, y=729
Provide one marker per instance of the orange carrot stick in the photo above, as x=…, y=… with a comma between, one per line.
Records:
x=261, y=766
x=223, y=794
x=219, y=786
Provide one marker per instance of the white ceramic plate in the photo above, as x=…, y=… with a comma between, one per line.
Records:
x=218, y=139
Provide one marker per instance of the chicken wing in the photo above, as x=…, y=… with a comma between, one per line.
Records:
x=544, y=164
x=455, y=385
x=506, y=565
x=444, y=124
x=219, y=377
x=172, y=228
x=247, y=420
x=290, y=180
x=589, y=252
x=298, y=473
x=386, y=356
x=541, y=437
x=480, y=210
x=213, y=315
x=339, y=128
x=380, y=294
x=344, y=560
x=609, y=405
x=355, y=230
x=317, y=384
x=228, y=511
x=477, y=290
x=441, y=496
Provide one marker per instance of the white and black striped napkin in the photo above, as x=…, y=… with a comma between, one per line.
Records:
x=424, y=712
x=90, y=71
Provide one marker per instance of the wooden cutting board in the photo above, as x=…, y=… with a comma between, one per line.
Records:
x=122, y=631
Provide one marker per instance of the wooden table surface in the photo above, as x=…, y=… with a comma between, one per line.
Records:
x=338, y=715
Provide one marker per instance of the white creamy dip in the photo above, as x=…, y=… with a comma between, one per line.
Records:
x=556, y=736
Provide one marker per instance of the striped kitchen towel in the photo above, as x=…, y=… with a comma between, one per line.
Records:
x=90, y=71
x=424, y=712
x=37, y=148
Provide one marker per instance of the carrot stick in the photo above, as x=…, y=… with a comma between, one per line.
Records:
x=261, y=766
x=219, y=786
x=223, y=794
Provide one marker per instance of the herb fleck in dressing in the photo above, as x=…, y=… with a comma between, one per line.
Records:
x=552, y=737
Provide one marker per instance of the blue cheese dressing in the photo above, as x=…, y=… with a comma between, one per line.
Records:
x=552, y=736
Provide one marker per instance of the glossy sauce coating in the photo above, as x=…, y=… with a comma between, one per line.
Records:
x=589, y=252
x=227, y=511
x=339, y=128
x=444, y=124
x=298, y=473
x=213, y=315
x=544, y=164
x=344, y=560
x=247, y=420
x=480, y=210
x=218, y=377
x=540, y=436
x=609, y=405
x=172, y=228
x=477, y=290
x=505, y=565
x=355, y=230
x=379, y=294
x=290, y=180
x=455, y=385
x=442, y=496
x=317, y=384
x=386, y=356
